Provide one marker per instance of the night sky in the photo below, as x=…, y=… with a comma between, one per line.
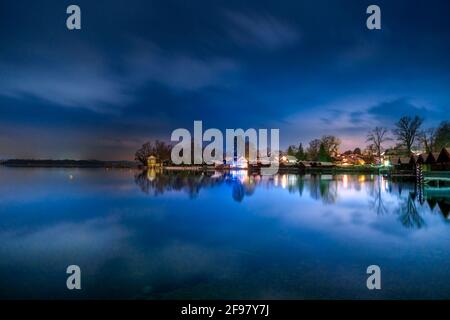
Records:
x=137, y=70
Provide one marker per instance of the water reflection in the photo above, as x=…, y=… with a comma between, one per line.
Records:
x=163, y=235
x=320, y=187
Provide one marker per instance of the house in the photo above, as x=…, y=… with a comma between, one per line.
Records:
x=322, y=164
x=442, y=160
x=404, y=163
x=153, y=162
x=444, y=156
x=289, y=160
x=421, y=158
x=347, y=159
x=304, y=164
x=412, y=160
x=239, y=163
x=431, y=158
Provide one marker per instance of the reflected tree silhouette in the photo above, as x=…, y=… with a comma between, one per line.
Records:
x=191, y=182
x=323, y=188
x=409, y=215
x=157, y=184
x=328, y=191
x=377, y=203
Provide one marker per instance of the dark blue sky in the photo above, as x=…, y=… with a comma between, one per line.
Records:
x=139, y=69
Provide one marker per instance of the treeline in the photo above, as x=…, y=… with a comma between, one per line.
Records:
x=323, y=149
x=408, y=133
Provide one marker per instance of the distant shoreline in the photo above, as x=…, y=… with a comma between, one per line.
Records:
x=32, y=163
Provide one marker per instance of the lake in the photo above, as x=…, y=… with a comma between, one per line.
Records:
x=149, y=235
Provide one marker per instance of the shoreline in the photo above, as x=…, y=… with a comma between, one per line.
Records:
x=96, y=164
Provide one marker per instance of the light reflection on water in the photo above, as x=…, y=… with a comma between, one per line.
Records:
x=192, y=235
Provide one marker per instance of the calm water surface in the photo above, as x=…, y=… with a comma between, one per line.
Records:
x=164, y=236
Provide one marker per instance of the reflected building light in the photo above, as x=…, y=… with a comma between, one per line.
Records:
x=284, y=181
x=240, y=175
x=151, y=174
x=385, y=183
x=345, y=181
x=292, y=180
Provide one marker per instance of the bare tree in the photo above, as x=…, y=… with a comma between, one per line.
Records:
x=442, y=136
x=144, y=152
x=331, y=145
x=407, y=130
x=378, y=136
x=428, y=138
x=159, y=149
x=162, y=150
x=313, y=149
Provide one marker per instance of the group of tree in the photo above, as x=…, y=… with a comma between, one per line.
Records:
x=158, y=149
x=323, y=149
x=434, y=139
x=409, y=134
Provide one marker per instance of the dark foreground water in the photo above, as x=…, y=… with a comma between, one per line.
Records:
x=153, y=236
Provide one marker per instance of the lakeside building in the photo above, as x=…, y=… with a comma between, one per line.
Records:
x=152, y=162
x=405, y=163
x=289, y=160
x=348, y=159
x=444, y=156
x=439, y=161
x=431, y=157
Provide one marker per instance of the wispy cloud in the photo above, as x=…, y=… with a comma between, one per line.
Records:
x=149, y=62
x=68, y=85
x=394, y=109
x=90, y=82
x=261, y=30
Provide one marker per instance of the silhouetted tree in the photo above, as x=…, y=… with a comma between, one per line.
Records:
x=292, y=150
x=407, y=130
x=428, y=139
x=143, y=153
x=377, y=136
x=331, y=145
x=300, y=155
x=313, y=149
x=162, y=150
x=323, y=154
x=159, y=149
x=442, y=139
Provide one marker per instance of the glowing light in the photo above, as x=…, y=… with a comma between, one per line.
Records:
x=345, y=181
x=284, y=181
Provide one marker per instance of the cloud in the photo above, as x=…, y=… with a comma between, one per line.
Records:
x=395, y=109
x=88, y=81
x=262, y=31
x=68, y=85
x=148, y=62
